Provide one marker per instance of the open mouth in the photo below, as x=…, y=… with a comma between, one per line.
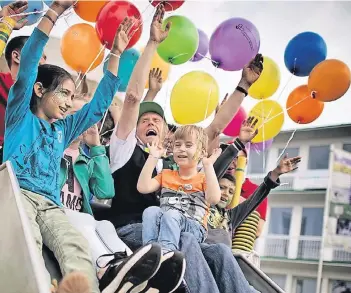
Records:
x=64, y=110
x=182, y=156
x=224, y=199
x=151, y=132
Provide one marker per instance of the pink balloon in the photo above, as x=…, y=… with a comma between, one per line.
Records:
x=233, y=128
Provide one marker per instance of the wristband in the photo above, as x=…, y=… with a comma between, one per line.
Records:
x=49, y=18
x=53, y=11
x=242, y=90
x=115, y=55
x=152, y=156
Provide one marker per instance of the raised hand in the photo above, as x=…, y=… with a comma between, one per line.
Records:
x=122, y=36
x=252, y=71
x=247, y=130
x=16, y=8
x=91, y=136
x=157, y=34
x=155, y=149
x=212, y=159
x=155, y=79
x=287, y=165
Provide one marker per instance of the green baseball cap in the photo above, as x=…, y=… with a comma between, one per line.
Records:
x=151, y=107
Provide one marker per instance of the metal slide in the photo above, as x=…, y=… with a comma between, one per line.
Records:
x=20, y=266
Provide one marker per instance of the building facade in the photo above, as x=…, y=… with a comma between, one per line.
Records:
x=290, y=244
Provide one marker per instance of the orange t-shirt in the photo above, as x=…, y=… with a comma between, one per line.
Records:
x=187, y=196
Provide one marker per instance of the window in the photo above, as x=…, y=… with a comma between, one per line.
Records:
x=340, y=287
x=257, y=162
x=312, y=221
x=280, y=280
x=306, y=285
x=347, y=147
x=279, y=222
x=318, y=158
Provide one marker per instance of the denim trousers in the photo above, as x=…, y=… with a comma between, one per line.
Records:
x=211, y=268
x=165, y=227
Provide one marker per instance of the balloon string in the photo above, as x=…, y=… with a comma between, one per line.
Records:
x=208, y=58
x=91, y=65
x=275, y=116
x=290, y=78
x=103, y=121
x=287, y=144
x=264, y=156
x=209, y=96
x=179, y=55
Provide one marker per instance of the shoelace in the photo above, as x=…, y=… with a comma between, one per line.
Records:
x=116, y=256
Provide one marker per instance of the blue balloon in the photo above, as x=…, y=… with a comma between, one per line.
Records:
x=126, y=65
x=304, y=52
x=33, y=6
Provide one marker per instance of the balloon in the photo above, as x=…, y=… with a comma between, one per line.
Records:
x=329, y=80
x=89, y=9
x=268, y=82
x=194, y=97
x=202, y=49
x=261, y=146
x=126, y=65
x=157, y=62
x=111, y=16
x=169, y=5
x=301, y=107
x=234, y=43
x=182, y=40
x=270, y=117
x=80, y=46
x=33, y=6
x=303, y=52
x=48, y=2
x=233, y=128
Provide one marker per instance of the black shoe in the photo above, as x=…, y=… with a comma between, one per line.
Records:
x=131, y=273
x=170, y=275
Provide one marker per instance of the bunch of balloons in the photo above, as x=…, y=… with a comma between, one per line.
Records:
x=328, y=80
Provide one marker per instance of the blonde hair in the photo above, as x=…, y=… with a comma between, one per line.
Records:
x=187, y=131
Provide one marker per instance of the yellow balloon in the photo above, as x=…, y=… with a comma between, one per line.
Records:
x=268, y=83
x=194, y=97
x=270, y=117
x=157, y=62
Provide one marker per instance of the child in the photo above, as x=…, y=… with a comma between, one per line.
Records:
x=185, y=195
x=35, y=144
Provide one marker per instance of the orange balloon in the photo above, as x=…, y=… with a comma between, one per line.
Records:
x=80, y=46
x=329, y=80
x=157, y=62
x=301, y=107
x=88, y=9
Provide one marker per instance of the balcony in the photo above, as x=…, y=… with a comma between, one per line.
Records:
x=299, y=248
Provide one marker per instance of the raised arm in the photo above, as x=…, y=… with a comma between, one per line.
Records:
x=249, y=75
x=155, y=84
x=92, y=112
x=147, y=184
x=21, y=92
x=243, y=210
x=247, y=133
x=213, y=191
x=135, y=89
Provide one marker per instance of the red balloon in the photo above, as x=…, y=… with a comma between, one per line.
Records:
x=233, y=128
x=169, y=5
x=111, y=16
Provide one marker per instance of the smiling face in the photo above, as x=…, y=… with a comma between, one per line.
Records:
x=227, y=192
x=56, y=104
x=151, y=127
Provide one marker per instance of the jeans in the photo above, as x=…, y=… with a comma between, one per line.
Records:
x=210, y=268
x=51, y=226
x=165, y=227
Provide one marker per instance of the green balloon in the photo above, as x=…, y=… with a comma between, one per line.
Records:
x=182, y=41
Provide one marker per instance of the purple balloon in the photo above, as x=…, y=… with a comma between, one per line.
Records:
x=260, y=146
x=234, y=43
x=202, y=49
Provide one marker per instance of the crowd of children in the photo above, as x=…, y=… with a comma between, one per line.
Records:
x=168, y=227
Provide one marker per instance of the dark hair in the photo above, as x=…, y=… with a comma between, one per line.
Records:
x=107, y=127
x=229, y=177
x=50, y=76
x=172, y=128
x=16, y=43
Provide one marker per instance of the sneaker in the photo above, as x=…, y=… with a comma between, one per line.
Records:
x=74, y=282
x=131, y=273
x=170, y=275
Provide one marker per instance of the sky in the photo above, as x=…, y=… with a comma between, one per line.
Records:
x=277, y=22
